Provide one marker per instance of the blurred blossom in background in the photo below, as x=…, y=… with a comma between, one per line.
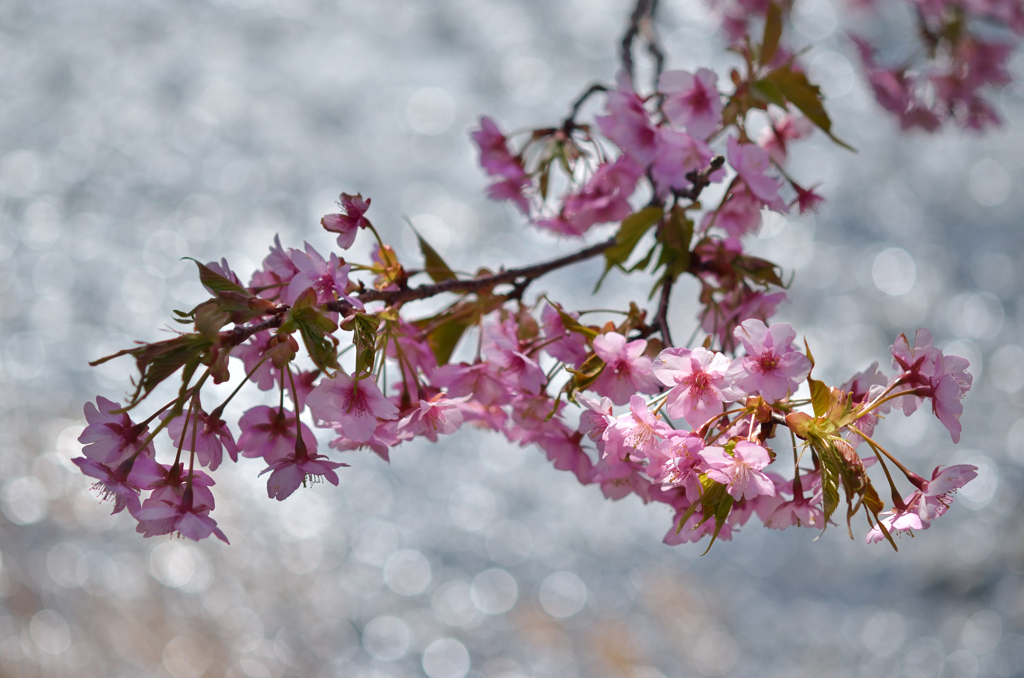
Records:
x=135, y=133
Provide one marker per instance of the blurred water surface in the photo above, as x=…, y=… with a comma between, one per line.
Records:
x=135, y=133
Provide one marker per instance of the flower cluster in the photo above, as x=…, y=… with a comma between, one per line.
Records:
x=613, y=401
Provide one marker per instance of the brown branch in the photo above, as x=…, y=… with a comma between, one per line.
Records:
x=240, y=333
x=701, y=179
x=661, y=318
x=641, y=23
x=520, y=277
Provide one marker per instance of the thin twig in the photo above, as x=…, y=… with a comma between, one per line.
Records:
x=641, y=23
x=512, y=276
x=661, y=318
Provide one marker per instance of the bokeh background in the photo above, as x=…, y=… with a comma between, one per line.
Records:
x=133, y=133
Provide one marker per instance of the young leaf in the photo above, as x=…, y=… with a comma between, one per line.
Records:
x=433, y=264
x=805, y=96
x=633, y=228
x=772, y=33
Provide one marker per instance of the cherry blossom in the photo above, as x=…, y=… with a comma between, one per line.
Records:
x=349, y=221
x=740, y=471
x=209, y=439
x=353, y=405
x=110, y=437
x=692, y=100
x=698, y=382
x=627, y=370
x=772, y=367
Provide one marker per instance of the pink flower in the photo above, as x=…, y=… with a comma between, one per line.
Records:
x=495, y=157
x=170, y=482
x=675, y=462
x=561, y=344
x=481, y=380
x=277, y=272
x=440, y=414
x=603, y=199
x=931, y=500
x=798, y=511
x=353, y=405
x=696, y=527
x=296, y=469
x=679, y=154
x=917, y=365
x=638, y=431
x=111, y=438
x=698, y=383
x=772, y=367
x=113, y=483
x=627, y=370
x=692, y=100
x=351, y=218
x=511, y=190
x=776, y=137
x=628, y=124
x=270, y=433
x=751, y=163
x=192, y=521
x=520, y=372
x=950, y=385
x=595, y=418
x=739, y=214
x=208, y=439
x=740, y=471
x=806, y=199
x=328, y=278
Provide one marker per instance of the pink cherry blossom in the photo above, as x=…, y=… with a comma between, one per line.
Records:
x=675, y=462
x=698, y=382
x=169, y=482
x=560, y=343
x=772, y=366
x=184, y=517
x=950, y=385
x=110, y=438
x=208, y=439
x=635, y=433
x=628, y=124
x=114, y=484
x=520, y=372
x=353, y=405
x=288, y=473
x=328, y=278
x=678, y=154
x=740, y=471
x=751, y=162
x=692, y=100
x=603, y=199
x=269, y=432
x=775, y=138
x=798, y=511
x=695, y=528
x=739, y=215
x=349, y=221
x=596, y=417
x=440, y=414
x=495, y=157
x=278, y=270
x=627, y=370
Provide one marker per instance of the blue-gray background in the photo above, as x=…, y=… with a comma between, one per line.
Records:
x=135, y=133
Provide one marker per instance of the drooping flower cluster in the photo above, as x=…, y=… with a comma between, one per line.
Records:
x=613, y=401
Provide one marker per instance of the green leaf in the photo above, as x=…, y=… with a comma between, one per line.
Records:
x=445, y=337
x=829, y=486
x=216, y=282
x=806, y=97
x=573, y=325
x=772, y=33
x=768, y=92
x=158, y=361
x=633, y=228
x=586, y=375
x=364, y=336
x=820, y=397
x=434, y=265
x=316, y=330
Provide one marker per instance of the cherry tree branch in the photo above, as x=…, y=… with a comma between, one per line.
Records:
x=511, y=276
x=641, y=23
